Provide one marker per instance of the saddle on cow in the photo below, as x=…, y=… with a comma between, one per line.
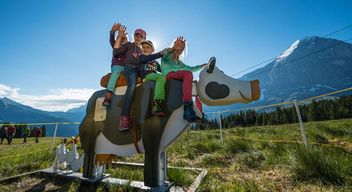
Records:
x=121, y=81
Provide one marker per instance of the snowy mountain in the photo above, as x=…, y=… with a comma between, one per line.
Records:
x=309, y=67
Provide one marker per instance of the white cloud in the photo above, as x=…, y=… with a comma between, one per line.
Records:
x=55, y=100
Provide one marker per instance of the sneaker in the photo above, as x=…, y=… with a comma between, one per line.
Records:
x=189, y=114
x=124, y=124
x=107, y=99
x=156, y=109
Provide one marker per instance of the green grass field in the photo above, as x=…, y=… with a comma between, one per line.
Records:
x=268, y=158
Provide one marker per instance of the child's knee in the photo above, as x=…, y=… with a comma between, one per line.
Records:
x=114, y=75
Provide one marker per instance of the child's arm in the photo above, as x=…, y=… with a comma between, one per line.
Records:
x=112, y=39
x=114, y=28
x=122, y=32
x=193, y=68
x=146, y=58
x=179, y=43
x=120, y=50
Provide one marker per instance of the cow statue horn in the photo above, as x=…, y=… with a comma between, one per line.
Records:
x=211, y=64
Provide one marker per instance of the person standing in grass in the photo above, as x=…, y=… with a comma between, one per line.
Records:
x=3, y=133
x=37, y=134
x=10, y=133
x=26, y=131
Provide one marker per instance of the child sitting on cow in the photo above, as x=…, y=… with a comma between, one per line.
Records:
x=153, y=73
x=133, y=60
x=117, y=62
x=173, y=68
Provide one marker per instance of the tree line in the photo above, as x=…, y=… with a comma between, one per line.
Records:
x=316, y=110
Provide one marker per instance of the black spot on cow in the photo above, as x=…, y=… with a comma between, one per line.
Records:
x=217, y=91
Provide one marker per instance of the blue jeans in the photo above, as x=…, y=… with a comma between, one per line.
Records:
x=131, y=76
x=115, y=74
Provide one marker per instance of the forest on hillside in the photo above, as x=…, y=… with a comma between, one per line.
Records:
x=317, y=110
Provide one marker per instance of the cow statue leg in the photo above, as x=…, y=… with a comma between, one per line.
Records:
x=153, y=160
x=152, y=128
x=88, y=134
x=88, y=163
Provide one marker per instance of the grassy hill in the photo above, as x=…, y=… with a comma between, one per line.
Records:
x=267, y=158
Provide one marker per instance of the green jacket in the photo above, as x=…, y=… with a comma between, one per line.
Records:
x=26, y=131
x=168, y=64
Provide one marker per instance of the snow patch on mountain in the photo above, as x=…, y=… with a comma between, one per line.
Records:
x=288, y=52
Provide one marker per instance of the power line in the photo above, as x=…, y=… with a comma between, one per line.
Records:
x=300, y=46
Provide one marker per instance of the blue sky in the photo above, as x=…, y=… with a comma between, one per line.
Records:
x=50, y=50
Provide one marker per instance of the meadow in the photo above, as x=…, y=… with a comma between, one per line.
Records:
x=265, y=158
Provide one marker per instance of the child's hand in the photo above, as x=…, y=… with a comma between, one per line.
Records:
x=204, y=65
x=179, y=43
x=115, y=27
x=122, y=31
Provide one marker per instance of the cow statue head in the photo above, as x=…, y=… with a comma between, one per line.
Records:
x=215, y=88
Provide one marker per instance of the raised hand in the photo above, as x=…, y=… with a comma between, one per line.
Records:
x=179, y=43
x=122, y=31
x=115, y=27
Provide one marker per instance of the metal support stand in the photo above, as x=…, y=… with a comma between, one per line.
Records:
x=301, y=125
x=52, y=145
x=220, y=125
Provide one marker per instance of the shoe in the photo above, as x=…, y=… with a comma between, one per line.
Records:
x=107, y=99
x=189, y=114
x=124, y=123
x=156, y=109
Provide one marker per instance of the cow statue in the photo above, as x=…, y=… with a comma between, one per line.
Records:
x=101, y=140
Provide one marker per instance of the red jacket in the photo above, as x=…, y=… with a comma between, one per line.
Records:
x=37, y=132
x=11, y=130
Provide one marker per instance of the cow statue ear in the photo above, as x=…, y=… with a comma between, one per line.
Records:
x=211, y=64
